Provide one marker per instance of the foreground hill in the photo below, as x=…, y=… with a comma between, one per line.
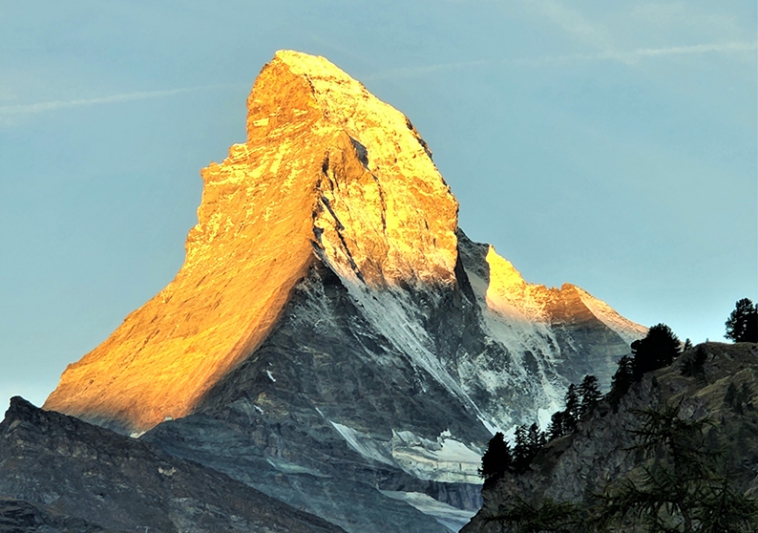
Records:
x=58, y=473
x=597, y=458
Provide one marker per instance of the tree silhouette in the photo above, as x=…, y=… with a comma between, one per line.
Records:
x=590, y=394
x=659, y=348
x=535, y=439
x=742, y=324
x=694, y=364
x=622, y=380
x=529, y=442
x=497, y=460
x=571, y=411
x=557, y=427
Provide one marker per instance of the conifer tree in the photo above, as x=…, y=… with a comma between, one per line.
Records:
x=658, y=349
x=572, y=409
x=694, y=364
x=621, y=381
x=680, y=489
x=590, y=394
x=529, y=442
x=557, y=427
x=742, y=324
x=497, y=460
x=535, y=440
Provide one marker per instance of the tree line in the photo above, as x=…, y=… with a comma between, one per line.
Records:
x=658, y=349
x=687, y=484
x=682, y=488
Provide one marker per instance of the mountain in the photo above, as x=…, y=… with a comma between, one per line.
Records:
x=596, y=459
x=66, y=475
x=333, y=338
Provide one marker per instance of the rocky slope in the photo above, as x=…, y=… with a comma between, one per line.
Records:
x=333, y=338
x=576, y=467
x=60, y=473
x=21, y=516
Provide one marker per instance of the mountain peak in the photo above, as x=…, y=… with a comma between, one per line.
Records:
x=328, y=172
x=332, y=325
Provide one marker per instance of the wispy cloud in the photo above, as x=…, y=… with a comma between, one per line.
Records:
x=574, y=23
x=412, y=72
x=695, y=49
x=631, y=56
x=42, y=107
x=627, y=57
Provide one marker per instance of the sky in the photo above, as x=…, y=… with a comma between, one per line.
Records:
x=612, y=145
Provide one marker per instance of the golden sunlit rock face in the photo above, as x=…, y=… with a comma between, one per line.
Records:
x=509, y=296
x=328, y=171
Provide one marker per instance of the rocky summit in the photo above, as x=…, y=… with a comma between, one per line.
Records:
x=334, y=339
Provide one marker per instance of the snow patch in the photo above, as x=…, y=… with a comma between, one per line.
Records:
x=363, y=444
x=445, y=459
x=447, y=515
x=270, y=376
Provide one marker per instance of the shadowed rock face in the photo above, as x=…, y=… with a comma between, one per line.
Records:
x=90, y=479
x=333, y=338
x=21, y=516
x=336, y=402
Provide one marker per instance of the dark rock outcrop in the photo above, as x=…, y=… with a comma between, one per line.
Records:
x=21, y=516
x=60, y=473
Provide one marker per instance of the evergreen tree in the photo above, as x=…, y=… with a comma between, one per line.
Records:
x=680, y=489
x=590, y=394
x=572, y=409
x=549, y=517
x=742, y=324
x=535, y=440
x=693, y=365
x=658, y=349
x=497, y=460
x=529, y=442
x=557, y=427
x=622, y=380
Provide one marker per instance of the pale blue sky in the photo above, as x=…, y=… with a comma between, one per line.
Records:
x=608, y=144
